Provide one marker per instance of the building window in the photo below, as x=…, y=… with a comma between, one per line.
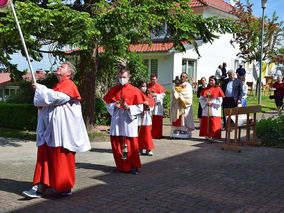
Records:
x=188, y=66
x=146, y=63
x=154, y=66
x=236, y=64
x=159, y=32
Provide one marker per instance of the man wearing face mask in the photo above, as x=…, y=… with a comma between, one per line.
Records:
x=181, y=109
x=124, y=103
x=157, y=91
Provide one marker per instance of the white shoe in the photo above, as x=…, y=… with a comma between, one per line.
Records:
x=209, y=139
x=149, y=153
x=32, y=193
x=67, y=193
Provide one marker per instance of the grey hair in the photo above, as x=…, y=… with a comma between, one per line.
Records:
x=71, y=68
x=230, y=72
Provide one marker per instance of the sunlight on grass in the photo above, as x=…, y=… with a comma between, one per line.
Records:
x=31, y=135
x=15, y=133
x=266, y=103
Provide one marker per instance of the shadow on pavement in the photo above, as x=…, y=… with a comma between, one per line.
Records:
x=203, y=179
x=100, y=150
x=9, y=142
x=14, y=186
x=103, y=168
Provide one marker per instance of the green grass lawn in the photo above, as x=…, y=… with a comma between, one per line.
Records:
x=15, y=133
x=267, y=105
x=31, y=135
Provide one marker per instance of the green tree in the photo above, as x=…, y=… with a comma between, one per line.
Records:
x=92, y=24
x=278, y=58
x=248, y=35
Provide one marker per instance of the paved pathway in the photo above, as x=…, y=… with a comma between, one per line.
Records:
x=182, y=176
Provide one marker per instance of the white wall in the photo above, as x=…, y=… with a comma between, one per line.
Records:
x=190, y=54
x=165, y=67
x=215, y=54
x=211, y=55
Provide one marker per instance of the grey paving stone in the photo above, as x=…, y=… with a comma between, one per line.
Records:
x=182, y=176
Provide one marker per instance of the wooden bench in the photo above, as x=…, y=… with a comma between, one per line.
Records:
x=250, y=123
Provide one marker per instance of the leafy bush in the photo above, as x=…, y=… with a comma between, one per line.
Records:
x=18, y=116
x=102, y=117
x=167, y=103
x=271, y=131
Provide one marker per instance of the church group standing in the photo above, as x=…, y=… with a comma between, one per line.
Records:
x=61, y=131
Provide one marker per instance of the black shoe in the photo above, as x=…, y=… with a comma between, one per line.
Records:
x=134, y=171
x=66, y=193
x=115, y=170
x=223, y=129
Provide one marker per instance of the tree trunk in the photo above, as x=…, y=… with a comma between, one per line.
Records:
x=88, y=84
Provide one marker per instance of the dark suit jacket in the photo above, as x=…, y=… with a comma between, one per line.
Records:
x=237, y=88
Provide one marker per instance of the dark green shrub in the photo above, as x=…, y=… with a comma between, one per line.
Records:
x=167, y=103
x=18, y=116
x=102, y=117
x=271, y=131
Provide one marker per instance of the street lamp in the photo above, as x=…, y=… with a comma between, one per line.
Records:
x=263, y=5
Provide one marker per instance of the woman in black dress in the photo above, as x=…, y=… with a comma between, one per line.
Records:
x=200, y=88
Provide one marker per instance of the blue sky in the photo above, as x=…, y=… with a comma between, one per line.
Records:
x=272, y=5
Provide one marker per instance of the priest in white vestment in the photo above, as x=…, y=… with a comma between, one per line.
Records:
x=181, y=109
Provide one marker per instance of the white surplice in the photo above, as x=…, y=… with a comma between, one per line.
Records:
x=60, y=123
x=147, y=118
x=215, y=108
x=159, y=108
x=124, y=122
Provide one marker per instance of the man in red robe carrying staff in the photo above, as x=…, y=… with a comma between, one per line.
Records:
x=158, y=93
x=61, y=133
x=124, y=103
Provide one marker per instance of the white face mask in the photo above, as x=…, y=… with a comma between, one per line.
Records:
x=143, y=89
x=123, y=81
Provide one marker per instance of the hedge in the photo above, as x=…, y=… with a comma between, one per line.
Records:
x=271, y=131
x=18, y=116
x=24, y=116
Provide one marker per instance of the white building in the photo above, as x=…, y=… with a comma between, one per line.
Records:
x=167, y=63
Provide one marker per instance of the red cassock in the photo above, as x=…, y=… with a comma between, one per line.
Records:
x=157, y=120
x=279, y=92
x=132, y=96
x=214, y=121
x=55, y=166
x=145, y=139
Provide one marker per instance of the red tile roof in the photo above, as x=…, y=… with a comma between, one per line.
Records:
x=155, y=47
x=39, y=75
x=5, y=77
x=218, y=4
